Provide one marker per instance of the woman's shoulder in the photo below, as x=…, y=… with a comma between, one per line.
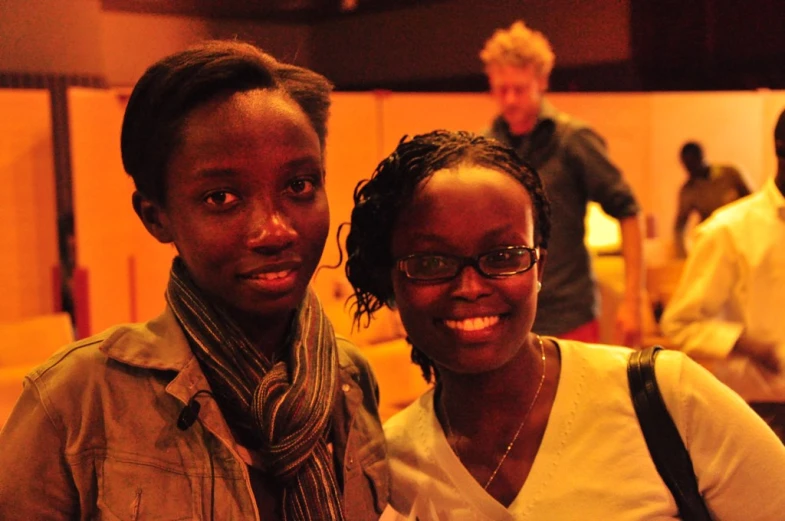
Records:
x=412, y=423
x=349, y=354
x=91, y=361
x=599, y=357
x=606, y=359
x=82, y=357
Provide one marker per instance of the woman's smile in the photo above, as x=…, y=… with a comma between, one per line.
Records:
x=474, y=329
x=272, y=282
x=472, y=324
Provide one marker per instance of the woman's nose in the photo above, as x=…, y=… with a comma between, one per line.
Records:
x=469, y=284
x=270, y=229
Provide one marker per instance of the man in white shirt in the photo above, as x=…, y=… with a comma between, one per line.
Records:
x=729, y=309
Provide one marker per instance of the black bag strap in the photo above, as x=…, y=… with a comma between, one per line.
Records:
x=665, y=445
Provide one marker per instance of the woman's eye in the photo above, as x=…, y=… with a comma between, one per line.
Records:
x=433, y=262
x=220, y=198
x=497, y=256
x=302, y=186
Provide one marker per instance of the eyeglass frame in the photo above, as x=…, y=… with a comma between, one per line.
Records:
x=464, y=261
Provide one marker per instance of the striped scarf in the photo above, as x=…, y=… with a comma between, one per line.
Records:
x=281, y=410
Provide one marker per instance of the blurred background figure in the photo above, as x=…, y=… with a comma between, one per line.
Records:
x=727, y=310
x=708, y=187
x=576, y=169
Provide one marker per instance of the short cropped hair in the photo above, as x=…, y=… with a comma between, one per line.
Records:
x=379, y=201
x=519, y=46
x=692, y=148
x=174, y=86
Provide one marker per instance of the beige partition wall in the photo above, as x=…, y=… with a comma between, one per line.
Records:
x=126, y=268
x=411, y=114
x=27, y=205
x=728, y=125
x=643, y=131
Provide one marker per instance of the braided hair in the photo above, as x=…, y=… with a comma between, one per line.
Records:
x=378, y=202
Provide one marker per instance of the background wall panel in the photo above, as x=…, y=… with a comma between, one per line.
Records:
x=127, y=268
x=27, y=205
x=728, y=124
x=413, y=113
x=644, y=132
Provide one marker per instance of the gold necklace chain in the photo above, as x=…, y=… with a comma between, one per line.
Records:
x=520, y=427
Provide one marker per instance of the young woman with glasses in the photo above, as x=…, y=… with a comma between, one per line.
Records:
x=452, y=230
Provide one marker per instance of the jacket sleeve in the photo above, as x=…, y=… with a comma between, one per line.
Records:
x=736, y=456
x=694, y=318
x=35, y=481
x=604, y=182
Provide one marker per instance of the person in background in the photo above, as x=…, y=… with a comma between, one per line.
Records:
x=238, y=402
x=727, y=310
x=708, y=187
x=575, y=168
x=520, y=426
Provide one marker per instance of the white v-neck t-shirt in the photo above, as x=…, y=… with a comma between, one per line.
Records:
x=593, y=463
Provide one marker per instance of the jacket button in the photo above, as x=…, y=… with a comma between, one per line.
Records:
x=345, y=388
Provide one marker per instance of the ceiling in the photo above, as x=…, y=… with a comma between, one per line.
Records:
x=294, y=11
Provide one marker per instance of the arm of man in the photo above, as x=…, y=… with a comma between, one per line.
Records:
x=605, y=184
x=694, y=319
x=629, y=317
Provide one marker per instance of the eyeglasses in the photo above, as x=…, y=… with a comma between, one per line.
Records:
x=499, y=263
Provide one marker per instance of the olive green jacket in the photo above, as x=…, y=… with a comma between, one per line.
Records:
x=94, y=435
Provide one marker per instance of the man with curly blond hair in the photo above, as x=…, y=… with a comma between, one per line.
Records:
x=575, y=168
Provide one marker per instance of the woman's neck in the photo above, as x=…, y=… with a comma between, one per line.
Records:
x=476, y=398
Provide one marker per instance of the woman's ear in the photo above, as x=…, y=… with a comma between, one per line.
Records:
x=153, y=217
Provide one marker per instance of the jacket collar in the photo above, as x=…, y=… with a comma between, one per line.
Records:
x=158, y=344
x=547, y=117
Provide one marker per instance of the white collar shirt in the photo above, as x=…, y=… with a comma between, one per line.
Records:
x=734, y=282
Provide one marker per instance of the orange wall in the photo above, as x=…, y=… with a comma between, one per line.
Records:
x=111, y=243
x=643, y=131
x=28, y=234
